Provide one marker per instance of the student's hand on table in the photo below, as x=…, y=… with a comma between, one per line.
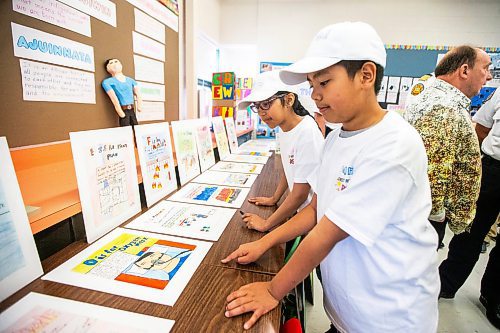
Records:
x=246, y=253
x=255, y=222
x=262, y=201
x=253, y=297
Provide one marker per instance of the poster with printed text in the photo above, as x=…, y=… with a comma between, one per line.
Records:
x=107, y=178
x=260, y=146
x=157, y=161
x=238, y=167
x=214, y=195
x=43, y=313
x=226, y=178
x=220, y=137
x=231, y=134
x=204, y=143
x=185, y=220
x=136, y=264
x=185, y=150
x=19, y=260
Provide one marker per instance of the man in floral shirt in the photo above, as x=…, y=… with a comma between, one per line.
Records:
x=441, y=116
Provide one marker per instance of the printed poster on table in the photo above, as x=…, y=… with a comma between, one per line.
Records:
x=226, y=178
x=148, y=26
x=214, y=195
x=103, y=10
x=185, y=220
x=185, y=150
x=261, y=146
x=43, y=313
x=56, y=13
x=157, y=161
x=242, y=151
x=19, y=260
x=136, y=264
x=238, y=167
x=220, y=137
x=244, y=158
x=107, y=178
x=204, y=143
x=231, y=134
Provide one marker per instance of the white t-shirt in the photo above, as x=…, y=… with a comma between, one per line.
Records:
x=489, y=116
x=374, y=186
x=300, y=152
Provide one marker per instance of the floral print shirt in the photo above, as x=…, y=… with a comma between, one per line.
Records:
x=441, y=116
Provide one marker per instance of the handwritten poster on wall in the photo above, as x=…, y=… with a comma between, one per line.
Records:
x=220, y=137
x=152, y=92
x=214, y=195
x=103, y=10
x=107, y=178
x=136, y=264
x=19, y=261
x=49, y=83
x=158, y=11
x=43, y=313
x=38, y=45
x=54, y=12
x=151, y=111
x=148, y=70
x=204, y=143
x=157, y=161
x=185, y=150
x=148, y=47
x=148, y=26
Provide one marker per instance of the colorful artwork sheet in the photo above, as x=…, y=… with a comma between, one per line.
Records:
x=231, y=134
x=226, y=178
x=185, y=220
x=43, y=313
x=246, y=158
x=157, y=161
x=185, y=150
x=258, y=145
x=220, y=137
x=215, y=195
x=238, y=167
x=137, y=264
x=242, y=151
x=107, y=178
x=19, y=260
x=204, y=143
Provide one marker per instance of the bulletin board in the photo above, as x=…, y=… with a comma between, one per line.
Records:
x=411, y=63
x=35, y=122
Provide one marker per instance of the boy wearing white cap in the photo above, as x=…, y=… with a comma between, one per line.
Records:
x=367, y=222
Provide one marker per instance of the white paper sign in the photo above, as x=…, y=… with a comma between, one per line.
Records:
x=244, y=158
x=49, y=83
x=185, y=150
x=220, y=137
x=149, y=70
x=136, y=264
x=151, y=111
x=19, y=260
x=226, y=178
x=152, y=92
x=148, y=47
x=182, y=219
x=148, y=26
x=158, y=11
x=204, y=143
x=393, y=89
x=103, y=10
x=37, y=312
x=231, y=134
x=238, y=167
x=214, y=195
x=381, y=97
x=56, y=13
x=38, y=45
x=107, y=178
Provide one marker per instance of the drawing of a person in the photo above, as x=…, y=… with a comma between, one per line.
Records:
x=159, y=265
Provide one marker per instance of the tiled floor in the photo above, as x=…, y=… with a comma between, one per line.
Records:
x=463, y=314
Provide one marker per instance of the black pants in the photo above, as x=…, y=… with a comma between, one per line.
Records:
x=465, y=248
x=440, y=229
x=129, y=119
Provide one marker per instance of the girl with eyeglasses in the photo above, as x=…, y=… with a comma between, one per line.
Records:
x=300, y=141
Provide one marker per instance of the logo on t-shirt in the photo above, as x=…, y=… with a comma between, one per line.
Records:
x=344, y=178
x=291, y=157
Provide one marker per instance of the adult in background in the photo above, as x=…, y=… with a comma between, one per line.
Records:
x=465, y=248
x=442, y=118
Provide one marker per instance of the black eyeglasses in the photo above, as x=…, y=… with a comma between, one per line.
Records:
x=265, y=105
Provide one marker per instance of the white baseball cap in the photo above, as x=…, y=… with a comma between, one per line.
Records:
x=265, y=85
x=334, y=43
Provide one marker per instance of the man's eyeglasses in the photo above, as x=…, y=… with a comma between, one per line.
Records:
x=264, y=105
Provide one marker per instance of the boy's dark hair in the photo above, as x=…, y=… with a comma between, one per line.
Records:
x=106, y=63
x=458, y=56
x=353, y=66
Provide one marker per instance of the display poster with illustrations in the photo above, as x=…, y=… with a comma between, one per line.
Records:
x=157, y=161
x=243, y=151
x=43, y=313
x=238, y=167
x=204, y=143
x=136, y=264
x=19, y=260
x=215, y=195
x=258, y=146
x=185, y=150
x=231, y=134
x=220, y=137
x=185, y=220
x=226, y=178
x=243, y=158
x=107, y=178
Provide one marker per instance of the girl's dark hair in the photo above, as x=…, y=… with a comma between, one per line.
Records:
x=455, y=58
x=297, y=107
x=352, y=66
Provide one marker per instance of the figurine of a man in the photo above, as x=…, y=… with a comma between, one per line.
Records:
x=121, y=90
